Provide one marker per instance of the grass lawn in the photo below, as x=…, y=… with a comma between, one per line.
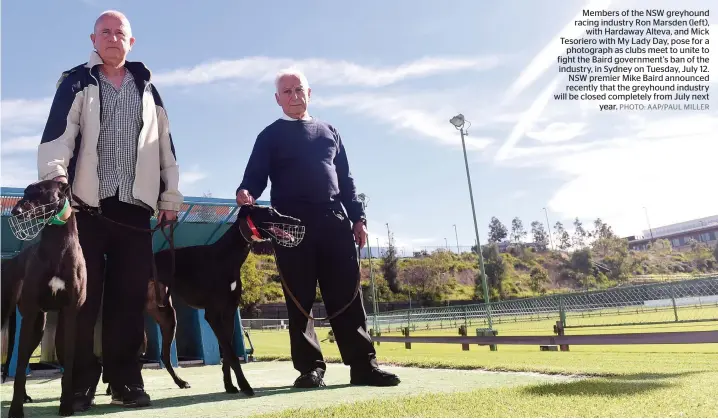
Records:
x=619, y=381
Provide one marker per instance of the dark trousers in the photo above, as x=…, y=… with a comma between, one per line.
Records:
x=328, y=254
x=119, y=260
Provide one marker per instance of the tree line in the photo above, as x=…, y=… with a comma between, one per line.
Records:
x=542, y=239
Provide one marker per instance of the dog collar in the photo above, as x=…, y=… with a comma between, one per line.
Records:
x=255, y=233
x=55, y=220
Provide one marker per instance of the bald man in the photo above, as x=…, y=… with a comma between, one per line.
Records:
x=108, y=136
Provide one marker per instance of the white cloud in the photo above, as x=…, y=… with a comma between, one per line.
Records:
x=21, y=116
x=17, y=173
x=20, y=144
x=321, y=71
x=558, y=132
x=669, y=174
x=191, y=176
x=403, y=114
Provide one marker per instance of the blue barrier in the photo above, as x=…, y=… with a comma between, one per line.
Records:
x=201, y=220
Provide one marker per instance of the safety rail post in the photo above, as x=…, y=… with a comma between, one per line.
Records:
x=560, y=331
x=463, y=331
x=561, y=310
x=673, y=300
x=406, y=333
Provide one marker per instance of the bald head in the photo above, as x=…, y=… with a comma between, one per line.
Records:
x=114, y=15
x=112, y=37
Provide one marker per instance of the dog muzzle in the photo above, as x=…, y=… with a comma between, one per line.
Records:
x=28, y=224
x=287, y=235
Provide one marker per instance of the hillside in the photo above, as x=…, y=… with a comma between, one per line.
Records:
x=432, y=279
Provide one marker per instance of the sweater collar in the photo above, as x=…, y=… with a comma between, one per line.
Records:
x=289, y=118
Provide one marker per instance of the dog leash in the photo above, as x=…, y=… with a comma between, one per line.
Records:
x=255, y=232
x=162, y=297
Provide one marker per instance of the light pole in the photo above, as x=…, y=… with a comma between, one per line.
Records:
x=458, y=250
x=446, y=243
x=649, y=222
x=548, y=225
x=458, y=121
x=364, y=199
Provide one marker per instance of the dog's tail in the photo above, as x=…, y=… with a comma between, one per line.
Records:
x=10, y=343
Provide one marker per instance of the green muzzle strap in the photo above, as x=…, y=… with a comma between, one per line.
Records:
x=55, y=220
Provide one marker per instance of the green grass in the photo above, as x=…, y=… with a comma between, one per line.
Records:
x=619, y=381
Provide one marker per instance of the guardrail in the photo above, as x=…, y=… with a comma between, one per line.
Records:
x=658, y=338
x=670, y=302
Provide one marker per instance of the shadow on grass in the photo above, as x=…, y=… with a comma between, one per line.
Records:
x=32, y=410
x=596, y=387
x=652, y=376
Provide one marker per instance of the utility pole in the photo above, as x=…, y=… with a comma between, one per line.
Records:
x=649, y=222
x=548, y=225
x=458, y=121
x=458, y=250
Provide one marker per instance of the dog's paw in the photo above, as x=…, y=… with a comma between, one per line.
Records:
x=66, y=409
x=248, y=391
x=183, y=384
x=27, y=399
x=231, y=389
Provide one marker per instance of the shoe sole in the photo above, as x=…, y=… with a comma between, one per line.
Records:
x=385, y=384
x=130, y=404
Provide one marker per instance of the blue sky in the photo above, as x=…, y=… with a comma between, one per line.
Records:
x=388, y=75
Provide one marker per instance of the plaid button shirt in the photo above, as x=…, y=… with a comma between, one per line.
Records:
x=117, y=143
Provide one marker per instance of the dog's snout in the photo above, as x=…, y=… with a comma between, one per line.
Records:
x=17, y=210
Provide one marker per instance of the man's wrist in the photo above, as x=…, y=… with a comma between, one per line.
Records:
x=361, y=219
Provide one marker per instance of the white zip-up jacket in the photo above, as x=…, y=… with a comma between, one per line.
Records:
x=69, y=142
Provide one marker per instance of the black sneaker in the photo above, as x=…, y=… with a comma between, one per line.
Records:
x=311, y=379
x=373, y=377
x=130, y=396
x=82, y=401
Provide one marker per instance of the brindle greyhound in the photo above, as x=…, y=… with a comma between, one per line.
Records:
x=208, y=277
x=54, y=279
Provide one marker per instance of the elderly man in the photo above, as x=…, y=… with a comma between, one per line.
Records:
x=108, y=136
x=307, y=163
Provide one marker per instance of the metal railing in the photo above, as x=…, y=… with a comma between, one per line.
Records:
x=686, y=301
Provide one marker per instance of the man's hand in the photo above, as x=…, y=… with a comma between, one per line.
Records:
x=166, y=215
x=243, y=197
x=360, y=234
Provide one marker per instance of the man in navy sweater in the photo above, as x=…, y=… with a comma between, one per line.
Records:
x=306, y=162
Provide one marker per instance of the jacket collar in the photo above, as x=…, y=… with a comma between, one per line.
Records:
x=137, y=68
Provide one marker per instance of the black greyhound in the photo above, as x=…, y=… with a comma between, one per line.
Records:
x=54, y=279
x=208, y=277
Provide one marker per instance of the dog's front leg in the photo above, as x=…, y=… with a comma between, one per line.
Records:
x=23, y=358
x=69, y=316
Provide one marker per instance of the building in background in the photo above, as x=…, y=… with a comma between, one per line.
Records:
x=680, y=235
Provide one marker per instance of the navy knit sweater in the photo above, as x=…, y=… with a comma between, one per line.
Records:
x=307, y=165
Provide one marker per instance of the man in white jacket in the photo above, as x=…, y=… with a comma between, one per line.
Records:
x=108, y=136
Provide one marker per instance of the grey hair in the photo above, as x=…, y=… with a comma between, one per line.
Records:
x=117, y=14
x=292, y=71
